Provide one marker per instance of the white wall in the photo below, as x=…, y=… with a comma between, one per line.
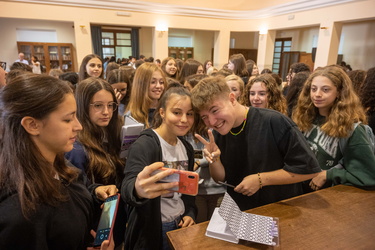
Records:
x=145, y=41
x=358, y=44
x=8, y=29
x=245, y=40
x=203, y=43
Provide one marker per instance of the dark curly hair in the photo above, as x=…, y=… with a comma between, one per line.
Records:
x=358, y=77
x=368, y=91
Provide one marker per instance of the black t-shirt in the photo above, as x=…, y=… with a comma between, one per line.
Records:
x=270, y=141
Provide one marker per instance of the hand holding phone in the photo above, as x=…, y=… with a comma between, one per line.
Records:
x=147, y=187
x=107, y=220
x=187, y=180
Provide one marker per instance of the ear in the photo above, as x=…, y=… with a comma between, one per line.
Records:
x=232, y=98
x=31, y=125
x=162, y=113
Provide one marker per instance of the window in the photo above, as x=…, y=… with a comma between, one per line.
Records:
x=281, y=45
x=116, y=43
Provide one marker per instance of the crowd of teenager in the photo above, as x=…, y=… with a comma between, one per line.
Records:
x=60, y=144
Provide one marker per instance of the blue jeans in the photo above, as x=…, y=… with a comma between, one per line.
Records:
x=166, y=227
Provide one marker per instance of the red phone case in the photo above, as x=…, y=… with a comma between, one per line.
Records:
x=188, y=181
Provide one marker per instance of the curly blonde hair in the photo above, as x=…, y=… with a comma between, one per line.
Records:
x=276, y=100
x=346, y=110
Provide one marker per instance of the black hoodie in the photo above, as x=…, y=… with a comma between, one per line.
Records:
x=144, y=229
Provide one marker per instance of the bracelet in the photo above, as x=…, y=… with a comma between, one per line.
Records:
x=260, y=181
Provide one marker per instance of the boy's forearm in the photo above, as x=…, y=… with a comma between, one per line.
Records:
x=282, y=177
x=217, y=171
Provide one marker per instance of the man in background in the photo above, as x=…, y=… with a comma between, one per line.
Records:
x=21, y=59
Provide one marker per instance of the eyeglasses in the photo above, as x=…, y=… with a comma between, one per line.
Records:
x=99, y=107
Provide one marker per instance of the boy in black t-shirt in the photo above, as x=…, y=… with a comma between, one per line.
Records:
x=259, y=151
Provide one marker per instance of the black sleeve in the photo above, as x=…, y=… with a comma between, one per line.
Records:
x=142, y=153
x=298, y=157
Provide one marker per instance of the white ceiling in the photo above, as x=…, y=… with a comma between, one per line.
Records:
x=222, y=9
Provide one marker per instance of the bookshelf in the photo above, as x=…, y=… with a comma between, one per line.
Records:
x=50, y=55
x=182, y=53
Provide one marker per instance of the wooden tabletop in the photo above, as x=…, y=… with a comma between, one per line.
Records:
x=340, y=217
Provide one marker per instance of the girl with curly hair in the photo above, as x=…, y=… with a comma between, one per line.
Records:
x=327, y=111
x=262, y=92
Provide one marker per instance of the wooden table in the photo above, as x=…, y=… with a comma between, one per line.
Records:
x=340, y=217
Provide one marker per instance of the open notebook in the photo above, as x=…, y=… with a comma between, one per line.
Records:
x=230, y=224
x=129, y=134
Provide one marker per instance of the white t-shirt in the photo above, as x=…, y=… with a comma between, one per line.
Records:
x=36, y=68
x=176, y=157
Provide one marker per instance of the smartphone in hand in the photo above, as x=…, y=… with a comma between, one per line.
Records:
x=187, y=180
x=107, y=220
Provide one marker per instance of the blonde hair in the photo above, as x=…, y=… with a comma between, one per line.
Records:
x=208, y=90
x=238, y=79
x=276, y=100
x=140, y=102
x=346, y=110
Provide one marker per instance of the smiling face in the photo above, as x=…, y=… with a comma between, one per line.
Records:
x=101, y=117
x=94, y=67
x=156, y=87
x=171, y=67
x=323, y=94
x=178, y=118
x=58, y=131
x=234, y=87
x=221, y=114
x=258, y=95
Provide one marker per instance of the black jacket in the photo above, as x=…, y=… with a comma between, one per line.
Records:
x=144, y=229
x=65, y=226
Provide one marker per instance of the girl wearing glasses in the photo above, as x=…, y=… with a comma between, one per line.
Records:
x=97, y=148
x=96, y=151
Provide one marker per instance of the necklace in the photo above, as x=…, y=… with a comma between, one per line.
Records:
x=243, y=126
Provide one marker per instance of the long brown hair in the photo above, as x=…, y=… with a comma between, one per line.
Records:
x=190, y=67
x=346, y=110
x=105, y=166
x=164, y=64
x=239, y=65
x=23, y=169
x=82, y=69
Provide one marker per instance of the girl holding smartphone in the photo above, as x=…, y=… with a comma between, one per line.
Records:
x=37, y=188
x=153, y=209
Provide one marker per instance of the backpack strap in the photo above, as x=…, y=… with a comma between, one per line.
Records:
x=342, y=144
